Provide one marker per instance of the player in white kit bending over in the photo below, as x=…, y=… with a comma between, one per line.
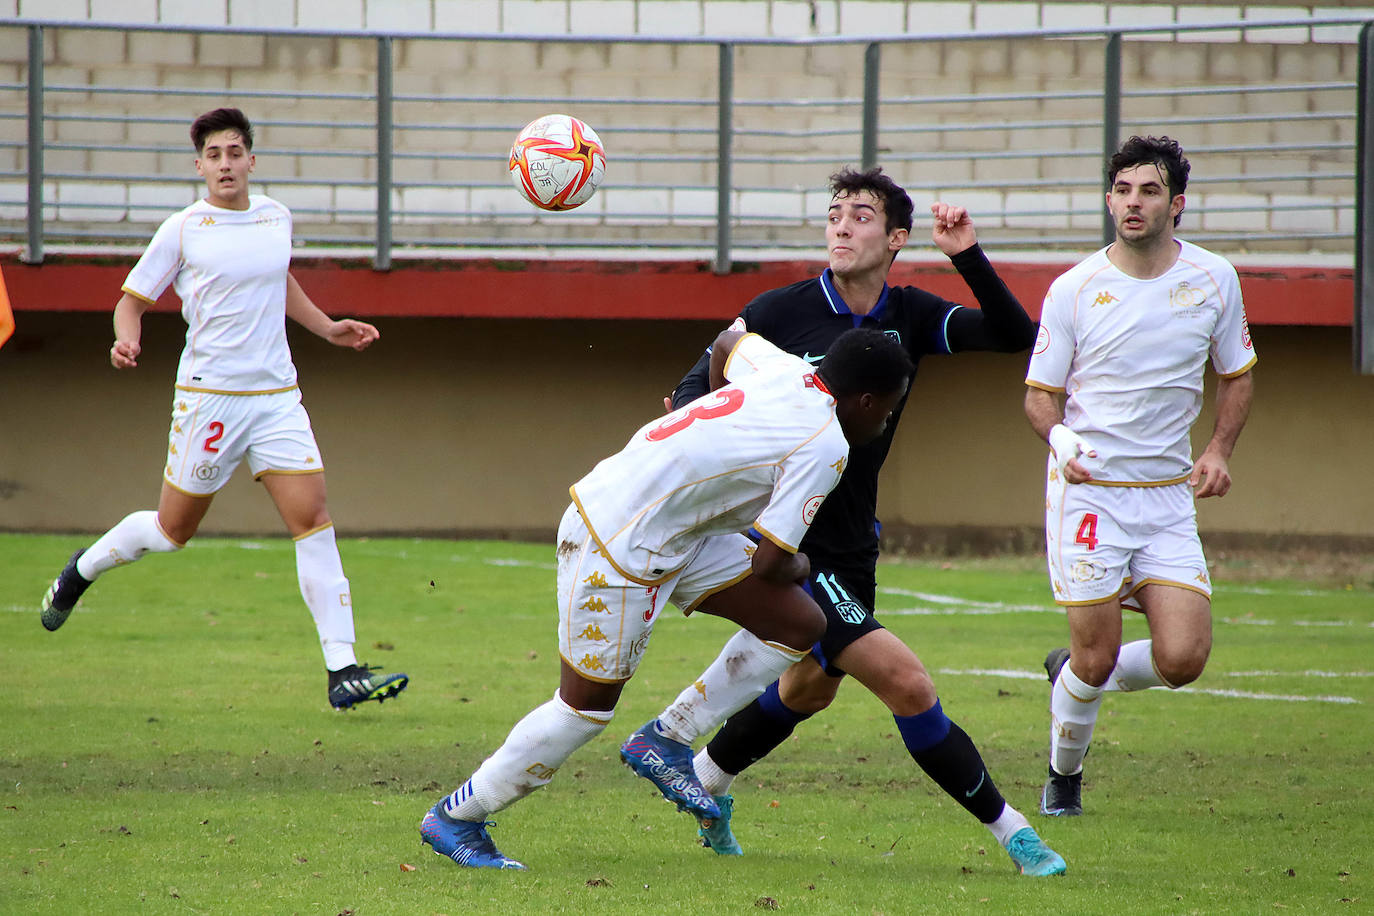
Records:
x=1125, y=337
x=661, y=521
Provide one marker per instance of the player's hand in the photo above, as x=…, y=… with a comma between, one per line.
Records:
x=348, y=332
x=1068, y=447
x=953, y=229
x=124, y=354
x=668, y=404
x=1211, y=476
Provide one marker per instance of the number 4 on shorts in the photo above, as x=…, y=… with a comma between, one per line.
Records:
x=1087, y=531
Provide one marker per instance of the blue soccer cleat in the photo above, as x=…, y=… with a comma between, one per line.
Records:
x=465, y=842
x=1032, y=856
x=668, y=765
x=715, y=835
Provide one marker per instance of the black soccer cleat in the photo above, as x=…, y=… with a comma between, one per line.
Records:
x=63, y=594
x=1055, y=661
x=358, y=683
x=1062, y=795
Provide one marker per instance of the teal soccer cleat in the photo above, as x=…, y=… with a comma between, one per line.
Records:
x=717, y=836
x=1032, y=856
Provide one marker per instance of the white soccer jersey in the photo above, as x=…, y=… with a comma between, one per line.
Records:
x=229, y=268
x=764, y=451
x=1130, y=356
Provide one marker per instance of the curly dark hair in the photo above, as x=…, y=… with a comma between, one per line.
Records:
x=1163, y=152
x=221, y=119
x=865, y=361
x=896, y=203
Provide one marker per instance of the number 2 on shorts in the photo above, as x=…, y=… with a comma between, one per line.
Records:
x=216, y=433
x=1087, y=531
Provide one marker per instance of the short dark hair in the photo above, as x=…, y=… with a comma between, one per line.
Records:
x=221, y=119
x=896, y=203
x=865, y=361
x=1163, y=152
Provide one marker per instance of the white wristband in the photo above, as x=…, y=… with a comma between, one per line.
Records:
x=1067, y=445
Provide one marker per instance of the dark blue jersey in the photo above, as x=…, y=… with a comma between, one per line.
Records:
x=806, y=317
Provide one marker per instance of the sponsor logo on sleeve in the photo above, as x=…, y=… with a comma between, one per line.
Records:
x=809, y=509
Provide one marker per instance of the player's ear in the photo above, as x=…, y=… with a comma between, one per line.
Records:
x=897, y=239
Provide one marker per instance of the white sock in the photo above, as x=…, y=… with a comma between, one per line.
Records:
x=533, y=751
x=744, y=668
x=1007, y=823
x=137, y=534
x=1135, y=668
x=713, y=778
x=1073, y=712
x=325, y=590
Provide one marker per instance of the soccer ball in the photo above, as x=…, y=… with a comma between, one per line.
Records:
x=557, y=162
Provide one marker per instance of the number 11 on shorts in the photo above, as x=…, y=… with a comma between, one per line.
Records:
x=1087, y=531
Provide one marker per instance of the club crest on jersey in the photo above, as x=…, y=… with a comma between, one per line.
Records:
x=1185, y=296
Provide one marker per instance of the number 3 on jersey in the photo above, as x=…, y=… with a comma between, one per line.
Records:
x=716, y=404
x=1087, y=531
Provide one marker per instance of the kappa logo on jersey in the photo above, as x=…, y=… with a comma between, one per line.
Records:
x=1104, y=298
x=597, y=580
x=1184, y=296
x=207, y=220
x=809, y=509
x=839, y=465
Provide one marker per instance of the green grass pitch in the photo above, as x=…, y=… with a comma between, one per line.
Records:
x=171, y=750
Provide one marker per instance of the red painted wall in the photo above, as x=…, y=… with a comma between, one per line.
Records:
x=490, y=288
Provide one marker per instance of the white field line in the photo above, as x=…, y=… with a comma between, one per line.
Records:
x=1209, y=691
x=948, y=605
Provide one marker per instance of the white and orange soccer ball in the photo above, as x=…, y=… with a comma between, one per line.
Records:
x=557, y=162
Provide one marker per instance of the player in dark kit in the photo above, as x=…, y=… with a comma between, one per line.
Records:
x=869, y=222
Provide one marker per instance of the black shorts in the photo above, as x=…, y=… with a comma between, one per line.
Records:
x=848, y=610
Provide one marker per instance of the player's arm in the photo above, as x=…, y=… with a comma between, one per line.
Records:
x=1044, y=410
x=721, y=349
x=1000, y=323
x=1211, y=472
x=781, y=567
x=128, y=328
x=346, y=332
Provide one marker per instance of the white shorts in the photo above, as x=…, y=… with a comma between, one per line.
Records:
x=212, y=434
x=605, y=619
x=1105, y=541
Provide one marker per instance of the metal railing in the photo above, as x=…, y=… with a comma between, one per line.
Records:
x=391, y=166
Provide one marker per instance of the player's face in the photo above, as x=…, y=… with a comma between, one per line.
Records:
x=224, y=162
x=1141, y=205
x=870, y=415
x=856, y=235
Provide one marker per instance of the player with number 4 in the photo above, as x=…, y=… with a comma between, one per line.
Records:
x=1124, y=339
